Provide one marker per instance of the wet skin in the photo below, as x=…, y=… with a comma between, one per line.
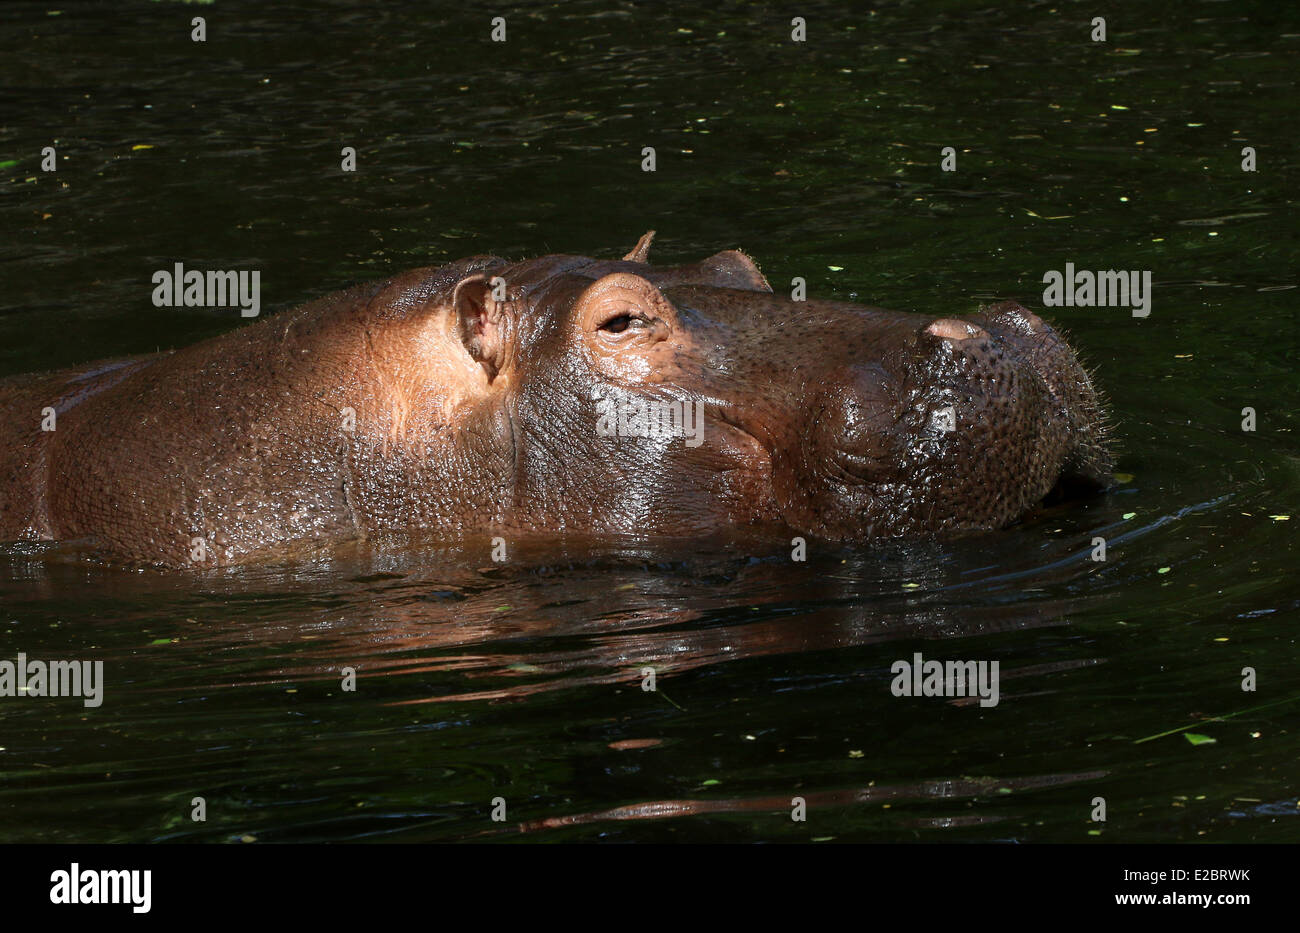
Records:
x=461, y=401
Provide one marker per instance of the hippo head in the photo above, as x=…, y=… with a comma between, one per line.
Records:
x=677, y=400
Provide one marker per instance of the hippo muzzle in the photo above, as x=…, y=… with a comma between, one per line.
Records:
x=957, y=426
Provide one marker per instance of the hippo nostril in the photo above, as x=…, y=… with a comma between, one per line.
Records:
x=955, y=330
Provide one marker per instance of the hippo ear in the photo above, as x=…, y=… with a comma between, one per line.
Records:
x=480, y=322
x=729, y=269
x=641, y=252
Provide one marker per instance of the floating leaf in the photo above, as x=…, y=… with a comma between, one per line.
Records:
x=1197, y=739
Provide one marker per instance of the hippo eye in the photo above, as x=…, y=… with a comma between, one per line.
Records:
x=621, y=322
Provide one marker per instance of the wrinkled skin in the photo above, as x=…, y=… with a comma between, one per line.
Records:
x=476, y=416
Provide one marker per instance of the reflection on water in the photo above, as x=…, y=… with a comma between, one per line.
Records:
x=523, y=680
x=667, y=809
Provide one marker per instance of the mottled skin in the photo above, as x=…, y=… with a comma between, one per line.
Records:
x=475, y=416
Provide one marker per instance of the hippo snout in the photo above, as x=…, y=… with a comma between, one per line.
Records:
x=964, y=425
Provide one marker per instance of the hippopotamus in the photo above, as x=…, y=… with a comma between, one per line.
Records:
x=487, y=397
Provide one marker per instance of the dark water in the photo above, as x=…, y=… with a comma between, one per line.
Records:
x=521, y=680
